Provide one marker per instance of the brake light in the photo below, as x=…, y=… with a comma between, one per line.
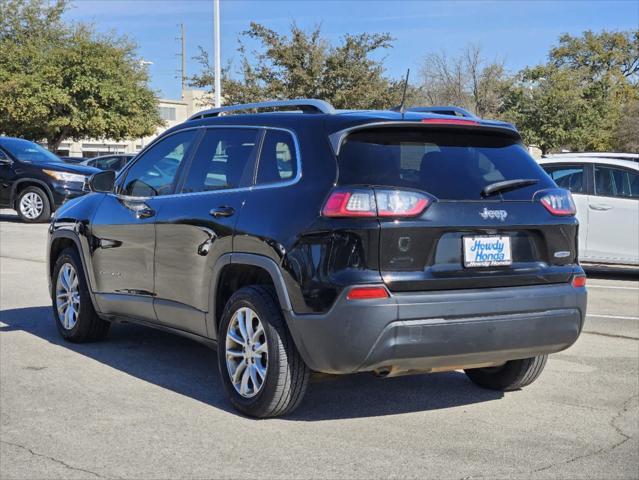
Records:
x=375, y=203
x=449, y=121
x=367, y=293
x=557, y=201
x=578, y=281
x=354, y=203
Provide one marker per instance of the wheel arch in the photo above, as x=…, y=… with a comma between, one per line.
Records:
x=61, y=239
x=23, y=183
x=235, y=270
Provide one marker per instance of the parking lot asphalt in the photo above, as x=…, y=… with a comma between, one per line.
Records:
x=145, y=404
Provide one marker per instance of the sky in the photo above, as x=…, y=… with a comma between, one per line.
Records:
x=518, y=32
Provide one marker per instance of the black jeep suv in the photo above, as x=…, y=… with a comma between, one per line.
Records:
x=331, y=241
x=34, y=181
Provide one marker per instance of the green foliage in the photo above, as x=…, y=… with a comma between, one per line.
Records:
x=303, y=64
x=61, y=81
x=580, y=99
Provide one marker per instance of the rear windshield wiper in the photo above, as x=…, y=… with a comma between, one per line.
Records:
x=506, y=185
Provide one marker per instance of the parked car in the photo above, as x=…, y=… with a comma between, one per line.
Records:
x=110, y=162
x=34, y=181
x=605, y=188
x=337, y=242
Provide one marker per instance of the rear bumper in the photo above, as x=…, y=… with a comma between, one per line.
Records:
x=440, y=330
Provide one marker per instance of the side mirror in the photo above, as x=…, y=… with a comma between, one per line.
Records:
x=102, y=182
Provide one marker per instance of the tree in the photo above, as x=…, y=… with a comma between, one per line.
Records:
x=60, y=81
x=626, y=135
x=466, y=80
x=303, y=64
x=581, y=98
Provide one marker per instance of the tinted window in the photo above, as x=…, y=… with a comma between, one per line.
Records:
x=108, y=163
x=571, y=177
x=223, y=160
x=155, y=172
x=451, y=165
x=27, y=151
x=615, y=182
x=278, y=160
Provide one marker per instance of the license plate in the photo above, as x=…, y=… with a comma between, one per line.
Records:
x=487, y=251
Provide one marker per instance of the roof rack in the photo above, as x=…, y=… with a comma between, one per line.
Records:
x=306, y=105
x=444, y=110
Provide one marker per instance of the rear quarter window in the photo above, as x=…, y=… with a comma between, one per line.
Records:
x=449, y=164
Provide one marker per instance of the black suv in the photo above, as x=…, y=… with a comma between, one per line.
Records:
x=34, y=181
x=330, y=241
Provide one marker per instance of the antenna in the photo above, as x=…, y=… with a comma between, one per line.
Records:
x=401, y=105
x=400, y=108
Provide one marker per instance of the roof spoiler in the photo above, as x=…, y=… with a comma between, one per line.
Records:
x=444, y=110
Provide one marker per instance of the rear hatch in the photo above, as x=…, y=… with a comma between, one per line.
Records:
x=475, y=231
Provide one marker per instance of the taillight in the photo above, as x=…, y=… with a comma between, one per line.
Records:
x=375, y=203
x=557, y=201
x=367, y=293
x=578, y=281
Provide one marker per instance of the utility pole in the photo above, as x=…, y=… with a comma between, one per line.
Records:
x=182, y=55
x=216, y=46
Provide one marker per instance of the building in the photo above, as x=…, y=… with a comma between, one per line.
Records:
x=172, y=112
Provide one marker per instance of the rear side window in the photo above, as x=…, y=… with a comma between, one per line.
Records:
x=224, y=159
x=451, y=165
x=278, y=158
x=571, y=177
x=616, y=182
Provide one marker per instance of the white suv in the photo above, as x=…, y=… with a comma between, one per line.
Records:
x=605, y=187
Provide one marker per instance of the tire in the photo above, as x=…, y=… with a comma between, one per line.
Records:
x=284, y=375
x=33, y=205
x=85, y=326
x=513, y=375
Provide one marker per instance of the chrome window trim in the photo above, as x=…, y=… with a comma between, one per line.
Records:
x=254, y=186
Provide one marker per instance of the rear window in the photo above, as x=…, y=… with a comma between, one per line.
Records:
x=451, y=165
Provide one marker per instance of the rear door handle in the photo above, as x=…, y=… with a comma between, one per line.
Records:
x=600, y=206
x=222, y=211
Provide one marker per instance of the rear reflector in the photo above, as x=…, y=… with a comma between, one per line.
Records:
x=367, y=293
x=579, y=281
x=364, y=202
x=557, y=201
x=449, y=121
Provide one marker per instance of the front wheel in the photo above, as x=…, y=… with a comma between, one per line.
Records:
x=33, y=205
x=73, y=310
x=512, y=375
x=261, y=370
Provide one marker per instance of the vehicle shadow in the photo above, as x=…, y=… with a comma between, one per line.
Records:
x=10, y=217
x=190, y=368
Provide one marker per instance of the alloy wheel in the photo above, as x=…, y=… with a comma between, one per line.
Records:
x=67, y=296
x=246, y=352
x=31, y=205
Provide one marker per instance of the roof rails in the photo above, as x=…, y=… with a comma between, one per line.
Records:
x=306, y=105
x=444, y=110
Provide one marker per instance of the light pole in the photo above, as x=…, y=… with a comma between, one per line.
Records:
x=216, y=41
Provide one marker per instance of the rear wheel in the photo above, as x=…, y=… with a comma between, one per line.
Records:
x=73, y=310
x=262, y=372
x=512, y=375
x=33, y=205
